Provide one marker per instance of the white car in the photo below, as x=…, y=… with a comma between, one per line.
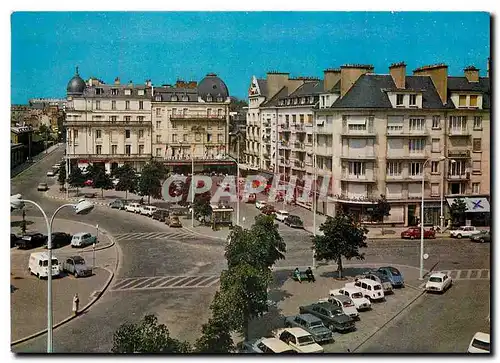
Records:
x=360, y=302
x=51, y=173
x=464, y=231
x=147, y=210
x=57, y=166
x=480, y=343
x=133, y=207
x=266, y=345
x=346, y=304
x=260, y=204
x=438, y=282
x=115, y=181
x=281, y=215
x=299, y=340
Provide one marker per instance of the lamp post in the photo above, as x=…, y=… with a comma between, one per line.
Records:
x=192, y=185
x=82, y=207
x=314, y=192
x=237, y=161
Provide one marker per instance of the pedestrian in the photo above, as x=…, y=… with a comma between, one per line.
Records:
x=310, y=275
x=296, y=273
x=76, y=302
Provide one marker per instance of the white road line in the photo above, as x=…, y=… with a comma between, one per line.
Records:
x=203, y=282
x=469, y=273
x=213, y=282
x=156, y=235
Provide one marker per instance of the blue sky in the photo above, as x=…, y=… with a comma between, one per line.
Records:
x=166, y=46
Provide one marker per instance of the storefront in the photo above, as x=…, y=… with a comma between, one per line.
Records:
x=222, y=215
x=477, y=212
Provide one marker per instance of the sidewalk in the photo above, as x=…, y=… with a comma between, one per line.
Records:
x=22, y=167
x=29, y=294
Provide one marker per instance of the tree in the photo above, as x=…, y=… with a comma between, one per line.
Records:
x=152, y=176
x=216, y=337
x=342, y=237
x=100, y=179
x=76, y=178
x=457, y=211
x=61, y=178
x=146, y=337
x=202, y=208
x=127, y=179
x=380, y=210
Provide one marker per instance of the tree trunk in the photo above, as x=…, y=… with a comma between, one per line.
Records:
x=126, y=194
x=245, y=328
x=102, y=193
x=339, y=262
x=149, y=199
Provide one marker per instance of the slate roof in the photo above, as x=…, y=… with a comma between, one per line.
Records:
x=367, y=92
x=282, y=93
x=166, y=94
x=106, y=91
x=483, y=86
x=308, y=89
x=262, y=86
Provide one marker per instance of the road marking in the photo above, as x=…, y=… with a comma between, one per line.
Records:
x=154, y=235
x=165, y=282
x=471, y=274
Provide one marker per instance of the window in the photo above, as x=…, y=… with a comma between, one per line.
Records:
x=301, y=118
x=399, y=100
x=462, y=101
x=98, y=149
x=158, y=98
x=458, y=124
x=113, y=105
x=219, y=112
x=393, y=168
x=113, y=118
x=357, y=126
x=220, y=138
x=413, y=100
x=141, y=134
x=475, y=188
x=98, y=134
x=309, y=119
x=294, y=118
x=158, y=111
x=128, y=149
x=140, y=92
x=435, y=189
x=478, y=122
x=114, y=149
x=209, y=112
x=158, y=139
x=436, y=122
x=185, y=137
x=198, y=137
x=158, y=151
x=356, y=168
x=417, y=124
x=128, y=118
x=174, y=111
x=99, y=91
x=185, y=126
x=141, y=105
x=473, y=101
x=127, y=134
x=220, y=126
x=456, y=188
x=436, y=145
x=415, y=169
x=395, y=124
x=158, y=124
x=97, y=105
x=140, y=119
x=209, y=137
x=435, y=167
x=141, y=149
x=416, y=145
x=184, y=112
x=128, y=92
x=476, y=166
x=476, y=145
x=114, y=92
x=287, y=118
x=457, y=168
x=174, y=124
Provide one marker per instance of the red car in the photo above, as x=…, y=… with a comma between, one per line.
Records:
x=414, y=232
x=88, y=183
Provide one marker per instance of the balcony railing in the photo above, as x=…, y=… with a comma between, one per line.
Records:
x=357, y=178
x=299, y=164
x=109, y=156
x=459, y=153
x=103, y=123
x=324, y=150
x=197, y=116
x=368, y=132
x=300, y=128
x=266, y=124
x=408, y=132
x=285, y=144
x=299, y=145
x=459, y=132
x=465, y=176
x=358, y=156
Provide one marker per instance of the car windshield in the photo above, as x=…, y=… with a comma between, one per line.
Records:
x=377, y=287
x=79, y=261
x=46, y=262
x=394, y=271
x=383, y=278
x=356, y=295
x=305, y=340
x=435, y=279
x=316, y=324
x=479, y=344
x=348, y=304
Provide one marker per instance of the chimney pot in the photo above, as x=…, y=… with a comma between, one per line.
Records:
x=398, y=74
x=471, y=73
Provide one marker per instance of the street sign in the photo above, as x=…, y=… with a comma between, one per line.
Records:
x=426, y=256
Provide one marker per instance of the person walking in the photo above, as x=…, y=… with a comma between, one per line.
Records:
x=76, y=303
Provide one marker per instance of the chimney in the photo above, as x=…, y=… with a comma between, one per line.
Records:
x=472, y=74
x=117, y=80
x=398, y=74
x=180, y=83
x=276, y=81
x=294, y=83
x=192, y=84
x=332, y=76
x=148, y=83
x=130, y=83
x=439, y=76
x=350, y=73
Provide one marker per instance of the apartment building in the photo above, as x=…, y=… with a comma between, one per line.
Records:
x=191, y=122
x=108, y=123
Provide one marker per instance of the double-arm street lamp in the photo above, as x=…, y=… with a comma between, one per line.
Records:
x=82, y=207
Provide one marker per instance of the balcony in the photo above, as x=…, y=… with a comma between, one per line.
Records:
x=111, y=124
x=368, y=132
x=462, y=132
x=357, y=178
x=285, y=162
x=400, y=155
x=266, y=124
x=108, y=157
x=197, y=116
x=363, y=198
x=407, y=132
x=324, y=150
x=285, y=144
x=459, y=154
x=358, y=156
x=298, y=164
x=299, y=128
x=299, y=145
x=285, y=127
x=459, y=177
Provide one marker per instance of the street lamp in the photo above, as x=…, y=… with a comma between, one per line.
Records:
x=82, y=207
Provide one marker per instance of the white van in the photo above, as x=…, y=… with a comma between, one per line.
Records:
x=147, y=210
x=133, y=207
x=281, y=215
x=39, y=263
x=370, y=289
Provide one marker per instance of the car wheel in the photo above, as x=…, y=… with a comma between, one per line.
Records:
x=481, y=240
x=38, y=275
x=459, y=236
x=412, y=237
x=331, y=327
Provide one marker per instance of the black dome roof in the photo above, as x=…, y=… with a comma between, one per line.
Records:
x=76, y=85
x=214, y=86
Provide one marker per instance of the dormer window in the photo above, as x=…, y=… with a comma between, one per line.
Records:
x=128, y=92
x=114, y=92
x=303, y=100
x=399, y=99
x=209, y=98
x=462, y=101
x=473, y=101
x=311, y=99
x=413, y=100
x=295, y=101
x=173, y=98
x=99, y=91
x=140, y=92
x=158, y=98
x=185, y=98
x=219, y=99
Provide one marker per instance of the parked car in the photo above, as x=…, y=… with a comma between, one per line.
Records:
x=174, y=221
x=483, y=236
x=266, y=345
x=331, y=315
x=393, y=274
x=371, y=289
x=160, y=215
x=438, y=282
x=312, y=324
x=147, y=210
x=480, y=343
x=378, y=277
x=88, y=183
x=75, y=265
x=346, y=304
x=299, y=340
x=117, y=204
x=60, y=239
x=281, y=215
x=133, y=207
x=51, y=172
x=42, y=187
x=31, y=240
x=464, y=231
x=249, y=198
x=260, y=204
x=268, y=210
x=83, y=239
x=294, y=221
x=13, y=240
x=414, y=232
x=115, y=181
x=361, y=302
x=38, y=265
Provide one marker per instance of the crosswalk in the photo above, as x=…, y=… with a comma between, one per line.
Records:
x=475, y=274
x=165, y=282
x=174, y=234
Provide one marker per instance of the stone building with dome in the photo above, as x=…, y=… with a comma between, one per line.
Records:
x=190, y=120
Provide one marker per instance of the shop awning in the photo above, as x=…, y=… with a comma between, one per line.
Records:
x=474, y=205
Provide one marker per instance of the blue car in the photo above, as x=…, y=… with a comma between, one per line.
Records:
x=394, y=275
